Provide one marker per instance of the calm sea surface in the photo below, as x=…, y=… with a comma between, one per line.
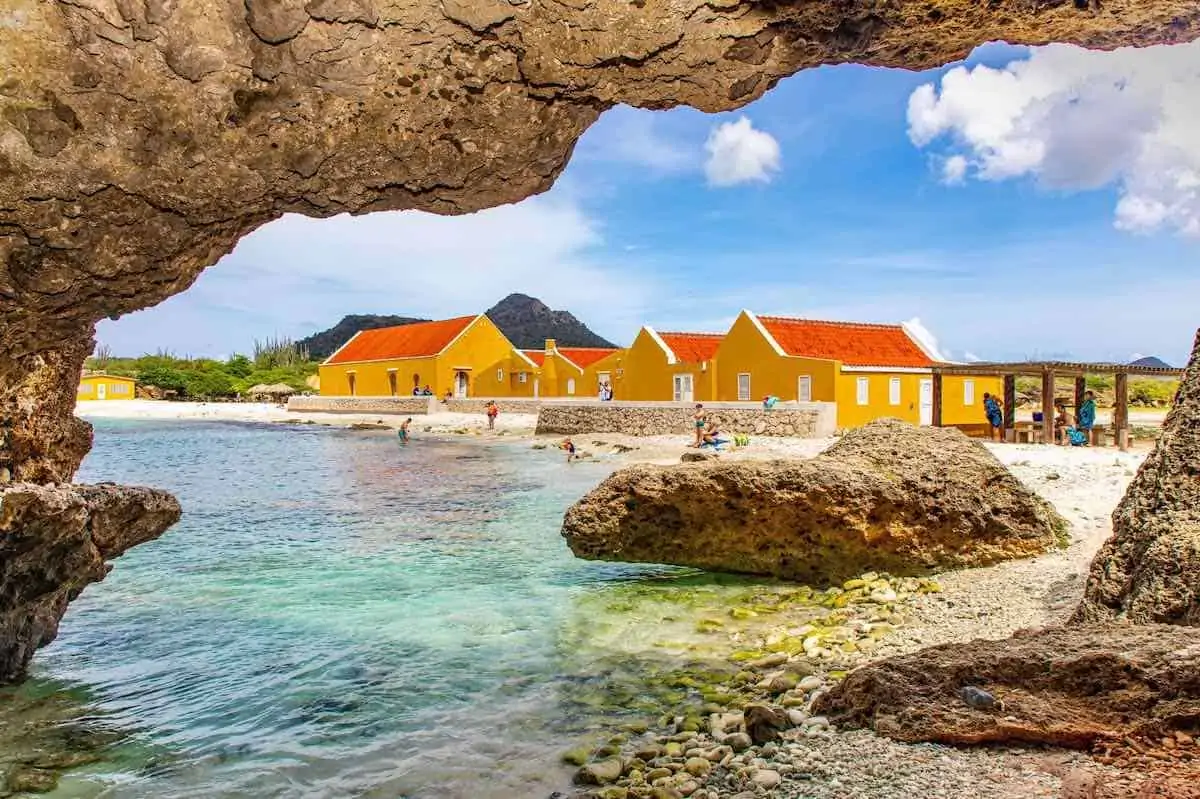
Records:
x=339, y=615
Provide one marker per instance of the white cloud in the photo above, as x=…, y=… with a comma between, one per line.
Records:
x=970, y=357
x=297, y=275
x=954, y=170
x=738, y=153
x=1077, y=119
x=925, y=338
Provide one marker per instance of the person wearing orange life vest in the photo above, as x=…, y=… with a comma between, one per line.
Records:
x=493, y=410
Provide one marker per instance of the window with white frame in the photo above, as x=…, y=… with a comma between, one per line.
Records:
x=968, y=392
x=499, y=375
x=894, y=391
x=523, y=377
x=571, y=387
x=744, y=387
x=864, y=391
x=120, y=388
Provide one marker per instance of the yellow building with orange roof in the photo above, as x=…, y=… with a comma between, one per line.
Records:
x=466, y=356
x=574, y=371
x=678, y=367
x=870, y=370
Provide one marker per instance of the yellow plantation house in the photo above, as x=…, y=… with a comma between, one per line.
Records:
x=871, y=371
x=467, y=356
x=670, y=366
x=573, y=371
x=106, y=387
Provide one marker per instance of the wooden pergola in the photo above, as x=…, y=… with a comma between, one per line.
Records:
x=1049, y=371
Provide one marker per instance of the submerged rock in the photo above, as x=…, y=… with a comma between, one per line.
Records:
x=887, y=497
x=1149, y=571
x=54, y=541
x=1064, y=686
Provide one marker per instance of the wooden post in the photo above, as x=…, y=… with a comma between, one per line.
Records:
x=1010, y=407
x=1121, y=412
x=1080, y=388
x=937, y=399
x=1047, y=406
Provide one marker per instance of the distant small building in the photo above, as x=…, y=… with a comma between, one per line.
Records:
x=573, y=371
x=670, y=366
x=99, y=386
x=871, y=371
x=467, y=356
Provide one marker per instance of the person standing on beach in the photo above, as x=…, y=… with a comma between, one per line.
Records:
x=493, y=410
x=1086, y=414
x=995, y=415
x=698, y=422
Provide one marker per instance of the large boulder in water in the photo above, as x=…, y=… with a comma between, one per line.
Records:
x=1149, y=571
x=887, y=497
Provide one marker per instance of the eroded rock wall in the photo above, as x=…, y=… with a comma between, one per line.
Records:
x=632, y=419
x=54, y=542
x=1149, y=571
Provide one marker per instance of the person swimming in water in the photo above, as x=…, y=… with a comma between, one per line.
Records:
x=403, y=431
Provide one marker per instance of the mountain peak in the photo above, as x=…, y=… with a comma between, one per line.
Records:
x=1151, y=362
x=525, y=320
x=528, y=322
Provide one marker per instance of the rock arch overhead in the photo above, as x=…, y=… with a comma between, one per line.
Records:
x=140, y=139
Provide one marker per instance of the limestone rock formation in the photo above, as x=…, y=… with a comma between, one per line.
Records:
x=888, y=497
x=1065, y=686
x=54, y=541
x=1149, y=571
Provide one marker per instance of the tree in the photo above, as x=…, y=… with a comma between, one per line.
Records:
x=208, y=383
x=239, y=366
x=167, y=378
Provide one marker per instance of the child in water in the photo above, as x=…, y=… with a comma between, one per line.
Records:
x=569, y=447
x=403, y=431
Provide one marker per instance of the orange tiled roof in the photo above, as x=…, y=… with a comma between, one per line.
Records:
x=537, y=356
x=583, y=357
x=852, y=343
x=418, y=340
x=692, y=347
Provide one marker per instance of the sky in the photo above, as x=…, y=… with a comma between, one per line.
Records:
x=1028, y=203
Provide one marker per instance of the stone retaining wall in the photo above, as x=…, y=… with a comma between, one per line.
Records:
x=813, y=420
x=530, y=406
x=398, y=405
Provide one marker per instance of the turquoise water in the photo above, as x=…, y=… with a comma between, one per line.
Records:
x=339, y=615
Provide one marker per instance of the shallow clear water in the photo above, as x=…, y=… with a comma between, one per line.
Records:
x=341, y=615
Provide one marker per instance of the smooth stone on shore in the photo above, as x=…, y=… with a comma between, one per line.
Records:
x=769, y=662
x=738, y=741
x=697, y=766
x=810, y=684
x=767, y=778
x=665, y=792
x=612, y=792
x=659, y=773
x=601, y=773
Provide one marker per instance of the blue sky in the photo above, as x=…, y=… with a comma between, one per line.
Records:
x=1023, y=206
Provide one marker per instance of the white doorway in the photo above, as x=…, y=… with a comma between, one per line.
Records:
x=101, y=391
x=537, y=388
x=683, y=388
x=804, y=388
x=460, y=385
x=926, y=402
